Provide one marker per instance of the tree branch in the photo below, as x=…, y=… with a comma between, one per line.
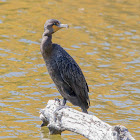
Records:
x=59, y=119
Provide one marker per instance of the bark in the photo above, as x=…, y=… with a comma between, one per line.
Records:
x=59, y=119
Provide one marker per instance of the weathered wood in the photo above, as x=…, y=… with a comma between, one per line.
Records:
x=59, y=120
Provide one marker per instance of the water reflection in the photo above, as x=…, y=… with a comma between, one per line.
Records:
x=28, y=41
x=13, y=74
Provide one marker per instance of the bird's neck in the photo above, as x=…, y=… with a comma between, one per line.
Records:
x=46, y=44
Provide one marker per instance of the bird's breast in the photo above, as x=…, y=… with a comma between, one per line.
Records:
x=54, y=71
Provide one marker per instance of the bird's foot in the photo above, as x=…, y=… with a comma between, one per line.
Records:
x=61, y=102
x=58, y=101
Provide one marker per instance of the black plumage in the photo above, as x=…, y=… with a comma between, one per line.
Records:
x=63, y=69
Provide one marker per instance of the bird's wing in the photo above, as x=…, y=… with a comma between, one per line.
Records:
x=73, y=76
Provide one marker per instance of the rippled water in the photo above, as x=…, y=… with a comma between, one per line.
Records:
x=103, y=38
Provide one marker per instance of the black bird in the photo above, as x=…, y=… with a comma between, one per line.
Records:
x=63, y=69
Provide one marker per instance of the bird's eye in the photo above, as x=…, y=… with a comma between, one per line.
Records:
x=56, y=23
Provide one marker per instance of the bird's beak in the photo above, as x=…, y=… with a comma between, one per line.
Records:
x=60, y=26
x=63, y=26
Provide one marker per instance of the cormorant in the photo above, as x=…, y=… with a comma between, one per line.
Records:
x=64, y=71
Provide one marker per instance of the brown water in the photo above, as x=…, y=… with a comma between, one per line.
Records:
x=103, y=38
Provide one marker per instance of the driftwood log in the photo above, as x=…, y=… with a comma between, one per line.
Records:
x=59, y=119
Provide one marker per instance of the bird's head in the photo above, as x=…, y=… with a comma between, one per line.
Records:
x=53, y=25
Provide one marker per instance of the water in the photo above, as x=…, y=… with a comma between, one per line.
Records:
x=103, y=38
